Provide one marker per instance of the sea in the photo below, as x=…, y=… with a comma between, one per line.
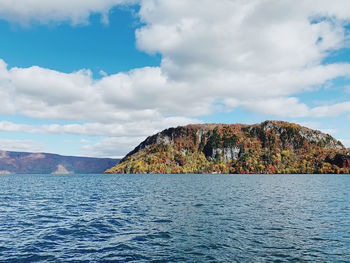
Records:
x=174, y=218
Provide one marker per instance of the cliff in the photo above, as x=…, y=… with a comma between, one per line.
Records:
x=268, y=147
x=46, y=163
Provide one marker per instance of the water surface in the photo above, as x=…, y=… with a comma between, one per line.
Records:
x=174, y=218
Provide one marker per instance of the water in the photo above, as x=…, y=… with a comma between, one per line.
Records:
x=174, y=218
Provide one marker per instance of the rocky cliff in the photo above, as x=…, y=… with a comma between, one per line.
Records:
x=268, y=147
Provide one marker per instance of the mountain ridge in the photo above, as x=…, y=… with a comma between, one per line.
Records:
x=48, y=163
x=268, y=147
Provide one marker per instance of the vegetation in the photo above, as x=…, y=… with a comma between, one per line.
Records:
x=269, y=147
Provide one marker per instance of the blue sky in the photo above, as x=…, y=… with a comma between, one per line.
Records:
x=68, y=48
x=95, y=78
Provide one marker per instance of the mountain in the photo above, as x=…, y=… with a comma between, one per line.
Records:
x=268, y=147
x=46, y=163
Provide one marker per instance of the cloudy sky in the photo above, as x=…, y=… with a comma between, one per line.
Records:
x=96, y=77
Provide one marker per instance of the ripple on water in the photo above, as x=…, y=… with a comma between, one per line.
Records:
x=177, y=218
x=162, y=221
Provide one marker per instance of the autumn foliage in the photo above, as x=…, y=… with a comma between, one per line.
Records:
x=269, y=147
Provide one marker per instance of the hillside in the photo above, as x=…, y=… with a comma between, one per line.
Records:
x=45, y=163
x=268, y=147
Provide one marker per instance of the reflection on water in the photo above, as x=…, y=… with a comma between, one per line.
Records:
x=174, y=218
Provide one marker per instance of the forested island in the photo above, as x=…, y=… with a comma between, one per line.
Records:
x=268, y=147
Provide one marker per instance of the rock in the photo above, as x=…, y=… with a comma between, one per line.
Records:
x=268, y=147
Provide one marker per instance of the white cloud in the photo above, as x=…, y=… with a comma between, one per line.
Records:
x=131, y=129
x=148, y=94
x=7, y=107
x=259, y=36
x=43, y=11
x=331, y=110
x=139, y=94
x=278, y=106
x=21, y=145
x=103, y=73
x=112, y=147
x=123, y=137
x=254, y=54
x=51, y=86
x=291, y=107
x=247, y=52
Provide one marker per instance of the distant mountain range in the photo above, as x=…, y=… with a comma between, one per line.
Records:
x=46, y=163
x=268, y=147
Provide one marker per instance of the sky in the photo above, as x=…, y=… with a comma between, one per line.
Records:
x=96, y=77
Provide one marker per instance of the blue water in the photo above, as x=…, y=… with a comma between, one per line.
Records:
x=174, y=218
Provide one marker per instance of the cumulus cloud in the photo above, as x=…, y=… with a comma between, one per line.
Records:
x=245, y=52
x=255, y=54
x=254, y=35
x=331, y=110
x=21, y=145
x=131, y=129
x=139, y=94
x=291, y=107
x=115, y=147
x=43, y=11
x=148, y=94
x=278, y=106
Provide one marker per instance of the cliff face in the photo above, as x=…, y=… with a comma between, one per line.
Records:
x=45, y=163
x=269, y=147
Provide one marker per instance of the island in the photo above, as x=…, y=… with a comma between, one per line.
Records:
x=271, y=147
